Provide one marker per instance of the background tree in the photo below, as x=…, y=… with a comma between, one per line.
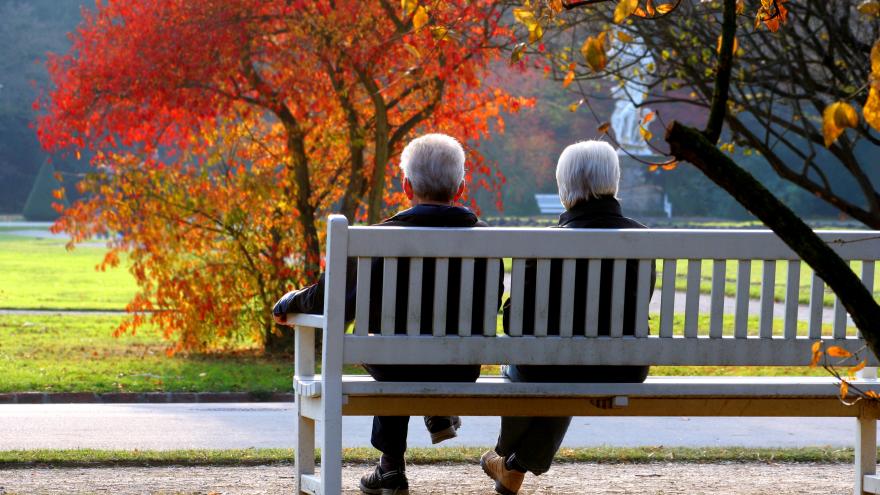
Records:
x=224, y=133
x=700, y=147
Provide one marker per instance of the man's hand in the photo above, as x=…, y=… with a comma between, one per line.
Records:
x=282, y=307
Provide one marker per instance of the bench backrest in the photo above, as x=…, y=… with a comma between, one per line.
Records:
x=663, y=340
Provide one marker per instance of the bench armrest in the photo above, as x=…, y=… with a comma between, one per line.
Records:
x=304, y=320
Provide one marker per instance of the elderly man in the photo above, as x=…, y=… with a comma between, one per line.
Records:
x=587, y=175
x=433, y=180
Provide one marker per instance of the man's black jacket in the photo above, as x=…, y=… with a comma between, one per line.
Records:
x=311, y=299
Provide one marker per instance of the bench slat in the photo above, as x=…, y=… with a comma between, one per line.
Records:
x=566, y=306
x=792, y=291
x=618, y=286
x=692, y=301
x=716, y=309
x=743, y=280
x=839, y=325
x=389, y=295
x=441, y=286
x=817, y=293
x=593, y=278
x=490, y=305
x=643, y=298
x=768, y=291
x=414, y=297
x=667, y=300
x=542, y=297
x=362, y=305
x=517, y=291
x=599, y=243
x=466, y=297
x=677, y=351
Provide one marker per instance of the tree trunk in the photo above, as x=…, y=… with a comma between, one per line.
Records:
x=689, y=144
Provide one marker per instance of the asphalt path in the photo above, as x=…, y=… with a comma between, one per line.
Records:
x=270, y=425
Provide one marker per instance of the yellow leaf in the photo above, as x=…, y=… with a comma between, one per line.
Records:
x=568, y=79
x=653, y=167
x=838, y=352
x=665, y=8
x=844, y=389
x=817, y=354
x=412, y=50
x=649, y=8
x=670, y=166
x=409, y=6
x=836, y=118
x=871, y=110
x=858, y=367
x=556, y=6
x=646, y=134
x=740, y=6
x=624, y=37
x=872, y=394
x=624, y=9
x=420, y=18
x=647, y=118
x=593, y=51
x=603, y=129
x=527, y=18
x=517, y=53
x=78, y=156
x=875, y=60
x=870, y=7
x=439, y=33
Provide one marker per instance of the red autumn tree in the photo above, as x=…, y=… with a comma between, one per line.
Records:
x=223, y=132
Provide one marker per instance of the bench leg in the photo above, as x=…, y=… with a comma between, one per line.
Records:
x=305, y=446
x=331, y=448
x=866, y=452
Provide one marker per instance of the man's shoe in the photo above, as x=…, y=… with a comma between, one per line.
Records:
x=442, y=427
x=507, y=482
x=385, y=483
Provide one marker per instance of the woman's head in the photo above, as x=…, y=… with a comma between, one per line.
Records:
x=587, y=170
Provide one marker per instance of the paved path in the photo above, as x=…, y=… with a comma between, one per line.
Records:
x=602, y=479
x=266, y=425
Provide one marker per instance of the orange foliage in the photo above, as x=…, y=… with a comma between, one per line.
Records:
x=223, y=132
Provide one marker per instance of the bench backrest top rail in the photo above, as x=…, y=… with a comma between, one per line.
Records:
x=495, y=242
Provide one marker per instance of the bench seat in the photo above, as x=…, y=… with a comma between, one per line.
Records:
x=658, y=396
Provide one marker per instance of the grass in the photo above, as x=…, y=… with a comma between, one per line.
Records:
x=12, y=459
x=57, y=353
x=42, y=274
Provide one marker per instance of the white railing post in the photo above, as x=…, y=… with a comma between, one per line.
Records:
x=866, y=441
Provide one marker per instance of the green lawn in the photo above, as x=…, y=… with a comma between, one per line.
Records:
x=10, y=459
x=42, y=274
x=57, y=353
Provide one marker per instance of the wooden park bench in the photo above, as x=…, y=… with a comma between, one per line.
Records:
x=330, y=395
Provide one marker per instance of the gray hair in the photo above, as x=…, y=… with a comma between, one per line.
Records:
x=586, y=170
x=434, y=165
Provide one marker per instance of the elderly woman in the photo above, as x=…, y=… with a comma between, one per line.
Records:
x=587, y=175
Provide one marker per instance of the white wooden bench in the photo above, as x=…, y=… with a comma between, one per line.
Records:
x=327, y=397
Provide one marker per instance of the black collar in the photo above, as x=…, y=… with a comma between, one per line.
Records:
x=601, y=206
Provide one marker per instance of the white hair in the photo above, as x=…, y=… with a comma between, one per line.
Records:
x=434, y=165
x=586, y=170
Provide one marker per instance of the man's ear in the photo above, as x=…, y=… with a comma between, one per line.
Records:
x=460, y=191
x=407, y=189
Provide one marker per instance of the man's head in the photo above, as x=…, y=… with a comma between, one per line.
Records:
x=587, y=170
x=433, y=169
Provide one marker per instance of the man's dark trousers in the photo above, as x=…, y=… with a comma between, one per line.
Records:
x=389, y=432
